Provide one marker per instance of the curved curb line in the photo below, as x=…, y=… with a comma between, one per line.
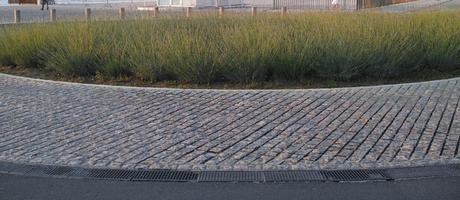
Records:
x=217, y=90
x=347, y=175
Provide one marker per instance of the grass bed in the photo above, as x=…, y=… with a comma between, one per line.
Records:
x=234, y=49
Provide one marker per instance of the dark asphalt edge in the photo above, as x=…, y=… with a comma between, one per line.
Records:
x=286, y=176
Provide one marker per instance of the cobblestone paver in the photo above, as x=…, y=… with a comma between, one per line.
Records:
x=60, y=123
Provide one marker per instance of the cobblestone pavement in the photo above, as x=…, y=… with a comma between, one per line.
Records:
x=73, y=124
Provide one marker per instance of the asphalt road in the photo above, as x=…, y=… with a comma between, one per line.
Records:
x=24, y=187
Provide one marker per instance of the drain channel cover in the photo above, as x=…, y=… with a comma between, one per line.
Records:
x=231, y=176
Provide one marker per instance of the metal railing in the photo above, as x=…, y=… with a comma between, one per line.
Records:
x=303, y=4
x=264, y=4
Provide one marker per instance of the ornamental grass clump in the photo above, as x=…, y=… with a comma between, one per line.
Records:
x=240, y=49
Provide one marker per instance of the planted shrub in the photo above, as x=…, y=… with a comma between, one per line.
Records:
x=240, y=49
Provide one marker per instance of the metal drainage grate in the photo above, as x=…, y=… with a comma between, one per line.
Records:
x=59, y=171
x=166, y=175
x=231, y=176
x=293, y=176
x=111, y=174
x=355, y=175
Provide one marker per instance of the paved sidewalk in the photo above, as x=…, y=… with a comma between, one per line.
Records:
x=32, y=13
x=417, y=5
x=60, y=123
x=453, y=4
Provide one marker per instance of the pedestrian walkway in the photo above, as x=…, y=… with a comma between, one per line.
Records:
x=32, y=13
x=419, y=4
x=58, y=123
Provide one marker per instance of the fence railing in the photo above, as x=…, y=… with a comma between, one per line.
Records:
x=298, y=4
x=269, y=4
x=322, y=4
x=20, y=14
x=378, y=3
x=30, y=2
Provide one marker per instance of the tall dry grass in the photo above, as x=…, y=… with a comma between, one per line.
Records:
x=242, y=49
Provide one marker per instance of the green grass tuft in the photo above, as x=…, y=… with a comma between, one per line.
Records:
x=241, y=49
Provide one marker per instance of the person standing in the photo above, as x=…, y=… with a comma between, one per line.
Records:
x=43, y=4
x=335, y=3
